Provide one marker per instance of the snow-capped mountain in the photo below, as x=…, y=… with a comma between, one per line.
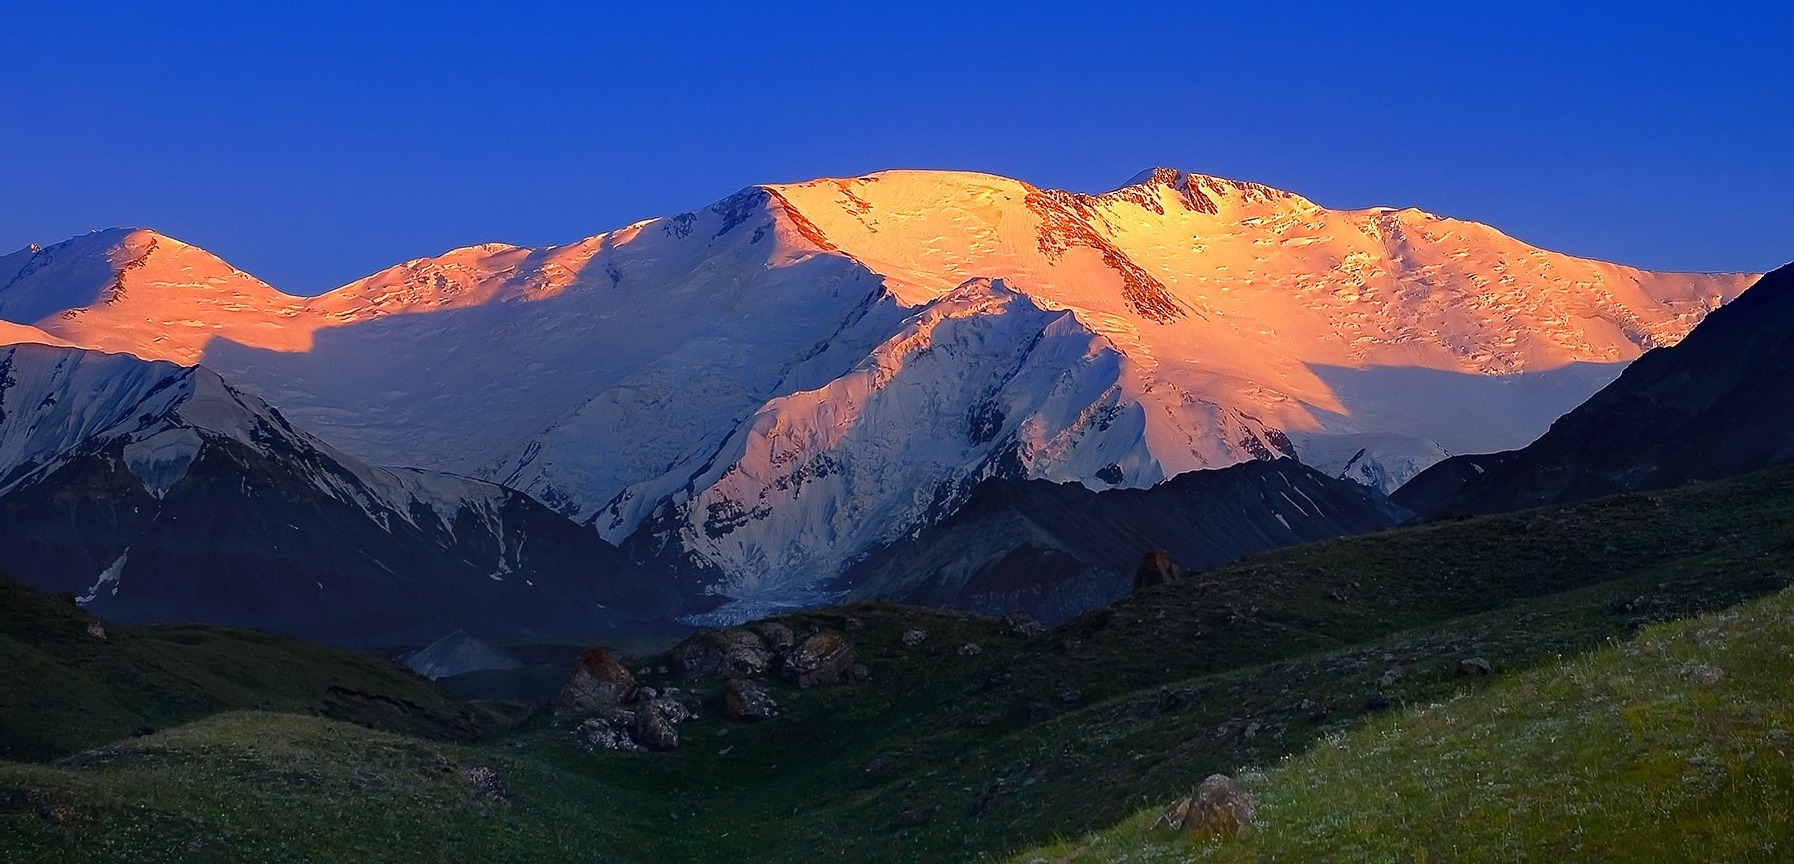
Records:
x=154, y=491
x=761, y=391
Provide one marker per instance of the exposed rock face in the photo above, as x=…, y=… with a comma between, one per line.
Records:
x=737, y=652
x=744, y=700
x=821, y=659
x=1219, y=807
x=1155, y=569
x=599, y=683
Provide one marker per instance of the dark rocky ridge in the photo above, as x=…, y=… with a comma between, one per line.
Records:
x=1719, y=404
x=267, y=527
x=1056, y=549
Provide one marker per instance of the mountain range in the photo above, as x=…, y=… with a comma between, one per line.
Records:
x=760, y=401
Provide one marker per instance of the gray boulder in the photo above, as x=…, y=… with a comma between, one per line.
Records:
x=746, y=701
x=736, y=652
x=824, y=658
x=1219, y=807
x=599, y=683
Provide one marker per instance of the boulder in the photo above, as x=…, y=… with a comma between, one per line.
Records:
x=746, y=701
x=970, y=649
x=485, y=781
x=1474, y=667
x=657, y=723
x=735, y=652
x=1155, y=569
x=599, y=683
x=914, y=636
x=821, y=659
x=1219, y=807
x=913, y=817
x=1022, y=624
x=601, y=733
x=778, y=636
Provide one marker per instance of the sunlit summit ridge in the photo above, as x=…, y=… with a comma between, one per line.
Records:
x=775, y=384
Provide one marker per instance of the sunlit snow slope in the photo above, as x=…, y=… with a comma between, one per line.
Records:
x=771, y=386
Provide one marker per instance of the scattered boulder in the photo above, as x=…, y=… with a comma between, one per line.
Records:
x=914, y=636
x=600, y=733
x=1219, y=807
x=1474, y=667
x=485, y=781
x=913, y=817
x=778, y=636
x=735, y=652
x=599, y=683
x=1022, y=624
x=657, y=724
x=744, y=700
x=821, y=659
x=1155, y=569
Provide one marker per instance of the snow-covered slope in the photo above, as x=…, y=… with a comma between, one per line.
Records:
x=159, y=492
x=767, y=388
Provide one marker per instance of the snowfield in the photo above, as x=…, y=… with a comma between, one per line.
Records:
x=766, y=389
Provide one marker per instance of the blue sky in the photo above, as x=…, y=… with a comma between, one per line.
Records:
x=313, y=145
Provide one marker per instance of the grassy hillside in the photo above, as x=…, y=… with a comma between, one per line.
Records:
x=945, y=754
x=1671, y=747
x=64, y=688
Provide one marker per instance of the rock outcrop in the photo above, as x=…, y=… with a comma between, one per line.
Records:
x=1155, y=569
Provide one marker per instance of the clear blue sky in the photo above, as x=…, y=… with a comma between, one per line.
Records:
x=313, y=145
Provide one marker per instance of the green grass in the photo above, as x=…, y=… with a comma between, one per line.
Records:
x=64, y=690
x=281, y=787
x=1238, y=666
x=1673, y=747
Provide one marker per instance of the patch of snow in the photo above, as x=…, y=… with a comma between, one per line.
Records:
x=110, y=576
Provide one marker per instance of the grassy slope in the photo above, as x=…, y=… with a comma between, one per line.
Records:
x=1239, y=666
x=63, y=690
x=1673, y=747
